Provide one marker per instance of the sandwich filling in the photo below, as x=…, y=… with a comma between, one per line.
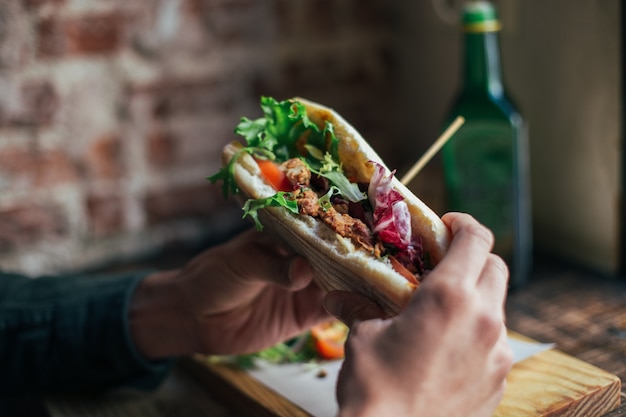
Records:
x=300, y=160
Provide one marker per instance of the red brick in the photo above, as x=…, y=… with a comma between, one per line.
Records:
x=221, y=7
x=194, y=7
x=40, y=103
x=89, y=34
x=192, y=201
x=162, y=149
x=37, y=168
x=229, y=21
x=56, y=167
x=104, y=159
x=50, y=38
x=94, y=34
x=106, y=214
x=35, y=104
x=173, y=97
x=31, y=4
x=26, y=223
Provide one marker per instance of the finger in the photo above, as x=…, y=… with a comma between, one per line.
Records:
x=469, y=249
x=308, y=305
x=493, y=282
x=500, y=359
x=255, y=257
x=300, y=273
x=292, y=273
x=253, y=236
x=499, y=364
x=352, y=308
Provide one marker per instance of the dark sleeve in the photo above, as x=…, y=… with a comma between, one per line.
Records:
x=70, y=332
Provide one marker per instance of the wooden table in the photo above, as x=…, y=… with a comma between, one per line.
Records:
x=583, y=312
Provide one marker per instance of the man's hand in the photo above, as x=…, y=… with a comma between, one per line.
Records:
x=446, y=353
x=239, y=297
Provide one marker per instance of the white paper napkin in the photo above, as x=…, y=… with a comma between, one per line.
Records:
x=303, y=386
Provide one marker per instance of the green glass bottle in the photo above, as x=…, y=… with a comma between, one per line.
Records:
x=486, y=162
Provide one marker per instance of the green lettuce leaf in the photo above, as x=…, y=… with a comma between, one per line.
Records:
x=280, y=199
x=347, y=189
x=227, y=176
x=299, y=349
x=332, y=170
x=324, y=201
x=285, y=131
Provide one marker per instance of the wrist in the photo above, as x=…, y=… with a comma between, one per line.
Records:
x=160, y=325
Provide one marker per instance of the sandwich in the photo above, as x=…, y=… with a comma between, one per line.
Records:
x=309, y=178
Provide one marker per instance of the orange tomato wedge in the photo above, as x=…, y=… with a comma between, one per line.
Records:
x=329, y=339
x=273, y=174
x=401, y=269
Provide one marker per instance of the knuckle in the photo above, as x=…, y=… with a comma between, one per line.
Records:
x=489, y=326
x=504, y=361
x=497, y=263
x=450, y=296
x=481, y=233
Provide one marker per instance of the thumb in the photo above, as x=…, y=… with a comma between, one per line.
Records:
x=350, y=307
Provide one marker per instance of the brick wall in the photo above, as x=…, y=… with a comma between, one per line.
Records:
x=112, y=113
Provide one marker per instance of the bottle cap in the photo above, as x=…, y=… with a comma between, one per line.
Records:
x=480, y=16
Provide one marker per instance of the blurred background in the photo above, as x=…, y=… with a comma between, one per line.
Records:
x=113, y=113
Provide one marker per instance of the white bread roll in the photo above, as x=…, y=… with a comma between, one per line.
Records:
x=337, y=262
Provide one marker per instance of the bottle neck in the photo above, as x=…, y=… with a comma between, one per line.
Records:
x=482, y=63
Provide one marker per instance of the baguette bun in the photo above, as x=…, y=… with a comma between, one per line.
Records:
x=338, y=263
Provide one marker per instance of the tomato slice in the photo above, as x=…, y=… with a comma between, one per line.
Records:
x=273, y=174
x=329, y=339
x=401, y=269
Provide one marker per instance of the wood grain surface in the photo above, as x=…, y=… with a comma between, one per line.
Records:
x=550, y=383
x=582, y=311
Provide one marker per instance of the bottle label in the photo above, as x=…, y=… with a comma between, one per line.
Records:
x=480, y=175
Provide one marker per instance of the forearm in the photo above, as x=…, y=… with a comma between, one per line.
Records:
x=160, y=320
x=69, y=332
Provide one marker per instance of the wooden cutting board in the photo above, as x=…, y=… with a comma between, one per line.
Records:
x=549, y=384
x=552, y=383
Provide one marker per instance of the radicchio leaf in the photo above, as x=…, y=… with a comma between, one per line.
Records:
x=392, y=220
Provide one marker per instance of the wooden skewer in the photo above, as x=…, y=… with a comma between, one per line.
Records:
x=434, y=148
